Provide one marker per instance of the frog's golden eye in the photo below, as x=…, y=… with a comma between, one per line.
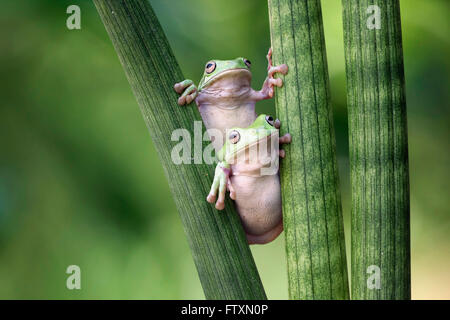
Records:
x=210, y=67
x=234, y=137
x=269, y=120
x=247, y=63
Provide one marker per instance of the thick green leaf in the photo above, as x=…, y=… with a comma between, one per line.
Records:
x=218, y=244
x=312, y=213
x=378, y=151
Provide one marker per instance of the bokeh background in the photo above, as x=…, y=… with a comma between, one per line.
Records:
x=81, y=183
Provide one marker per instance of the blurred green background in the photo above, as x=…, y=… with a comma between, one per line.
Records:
x=81, y=183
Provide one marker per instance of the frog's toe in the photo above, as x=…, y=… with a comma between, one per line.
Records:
x=283, y=69
x=180, y=86
x=211, y=198
x=269, y=58
x=287, y=138
x=176, y=87
x=232, y=190
x=191, y=97
x=276, y=82
x=277, y=124
x=181, y=101
x=282, y=153
x=220, y=205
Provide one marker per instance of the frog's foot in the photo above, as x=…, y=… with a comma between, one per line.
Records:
x=271, y=70
x=188, y=91
x=220, y=184
x=286, y=139
x=267, y=90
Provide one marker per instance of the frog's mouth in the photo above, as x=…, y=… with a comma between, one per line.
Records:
x=237, y=75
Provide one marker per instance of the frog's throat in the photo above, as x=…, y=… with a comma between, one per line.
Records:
x=231, y=156
x=224, y=73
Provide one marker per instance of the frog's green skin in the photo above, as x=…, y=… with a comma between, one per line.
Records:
x=256, y=192
x=224, y=95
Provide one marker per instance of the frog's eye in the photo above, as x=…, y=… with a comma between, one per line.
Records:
x=210, y=67
x=234, y=137
x=269, y=120
x=247, y=63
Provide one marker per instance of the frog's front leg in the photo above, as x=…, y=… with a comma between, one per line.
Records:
x=188, y=91
x=267, y=90
x=285, y=139
x=220, y=184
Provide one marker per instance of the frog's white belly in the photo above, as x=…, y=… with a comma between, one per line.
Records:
x=223, y=118
x=258, y=202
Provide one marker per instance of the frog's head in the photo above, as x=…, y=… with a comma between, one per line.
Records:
x=239, y=139
x=237, y=70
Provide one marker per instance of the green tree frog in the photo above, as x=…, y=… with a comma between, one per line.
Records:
x=248, y=169
x=224, y=95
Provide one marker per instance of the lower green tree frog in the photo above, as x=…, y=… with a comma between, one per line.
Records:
x=248, y=169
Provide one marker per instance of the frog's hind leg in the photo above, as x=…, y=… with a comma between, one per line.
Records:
x=267, y=237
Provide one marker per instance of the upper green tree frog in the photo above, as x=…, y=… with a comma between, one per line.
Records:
x=224, y=95
x=248, y=169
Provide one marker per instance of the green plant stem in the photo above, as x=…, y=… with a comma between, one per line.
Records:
x=378, y=151
x=222, y=256
x=312, y=213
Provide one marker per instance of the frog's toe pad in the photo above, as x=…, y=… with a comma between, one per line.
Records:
x=283, y=69
x=287, y=138
x=181, y=101
x=277, y=124
x=178, y=87
x=211, y=198
x=220, y=205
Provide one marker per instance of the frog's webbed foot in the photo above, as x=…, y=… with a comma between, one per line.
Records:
x=188, y=91
x=267, y=90
x=286, y=139
x=220, y=185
